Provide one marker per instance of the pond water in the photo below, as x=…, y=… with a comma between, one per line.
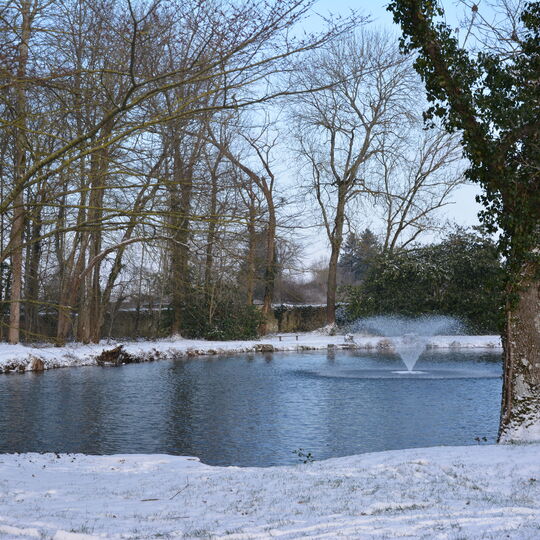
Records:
x=255, y=410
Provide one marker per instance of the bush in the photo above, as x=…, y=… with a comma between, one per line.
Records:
x=226, y=319
x=461, y=277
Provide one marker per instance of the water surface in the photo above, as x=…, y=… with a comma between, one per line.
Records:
x=255, y=410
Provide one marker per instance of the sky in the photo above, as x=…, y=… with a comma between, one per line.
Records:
x=464, y=208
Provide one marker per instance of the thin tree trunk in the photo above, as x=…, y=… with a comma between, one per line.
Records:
x=212, y=227
x=72, y=266
x=252, y=239
x=270, y=264
x=32, y=276
x=17, y=230
x=181, y=206
x=336, y=239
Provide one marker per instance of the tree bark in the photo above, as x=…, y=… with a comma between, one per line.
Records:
x=520, y=412
x=17, y=230
x=336, y=239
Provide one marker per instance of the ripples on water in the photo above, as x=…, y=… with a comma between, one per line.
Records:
x=255, y=409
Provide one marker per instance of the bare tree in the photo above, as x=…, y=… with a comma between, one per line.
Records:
x=83, y=107
x=27, y=11
x=417, y=172
x=340, y=129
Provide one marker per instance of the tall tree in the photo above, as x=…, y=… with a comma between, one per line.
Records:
x=492, y=99
x=341, y=128
x=27, y=13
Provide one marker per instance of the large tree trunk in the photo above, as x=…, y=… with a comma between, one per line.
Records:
x=520, y=413
x=331, y=284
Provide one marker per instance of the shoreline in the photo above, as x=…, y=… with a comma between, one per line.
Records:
x=25, y=358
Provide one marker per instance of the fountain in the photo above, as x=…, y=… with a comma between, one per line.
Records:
x=408, y=336
x=409, y=347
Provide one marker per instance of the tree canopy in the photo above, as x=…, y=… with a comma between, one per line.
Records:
x=493, y=99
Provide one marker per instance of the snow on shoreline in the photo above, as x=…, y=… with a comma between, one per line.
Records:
x=15, y=358
x=444, y=492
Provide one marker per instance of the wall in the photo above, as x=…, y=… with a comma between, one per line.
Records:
x=147, y=324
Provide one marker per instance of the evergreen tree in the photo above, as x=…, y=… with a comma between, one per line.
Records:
x=358, y=255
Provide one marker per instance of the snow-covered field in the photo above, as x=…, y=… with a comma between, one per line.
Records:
x=23, y=358
x=447, y=492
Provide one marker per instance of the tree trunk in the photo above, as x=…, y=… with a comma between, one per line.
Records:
x=250, y=260
x=180, y=206
x=17, y=230
x=336, y=239
x=270, y=263
x=331, y=285
x=90, y=313
x=70, y=284
x=520, y=412
x=211, y=237
x=31, y=293
x=16, y=240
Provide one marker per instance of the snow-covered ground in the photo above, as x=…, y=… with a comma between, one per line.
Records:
x=23, y=358
x=446, y=492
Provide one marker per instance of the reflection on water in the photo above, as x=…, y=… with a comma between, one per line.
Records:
x=254, y=409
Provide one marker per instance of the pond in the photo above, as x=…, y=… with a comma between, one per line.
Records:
x=255, y=410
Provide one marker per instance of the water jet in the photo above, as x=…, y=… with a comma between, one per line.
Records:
x=408, y=336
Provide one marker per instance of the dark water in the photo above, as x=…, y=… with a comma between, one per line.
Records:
x=256, y=409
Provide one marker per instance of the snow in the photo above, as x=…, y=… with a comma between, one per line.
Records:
x=527, y=431
x=19, y=357
x=445, y=492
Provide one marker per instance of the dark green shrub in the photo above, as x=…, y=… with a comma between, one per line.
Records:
x=225, y=319
x=462, y=277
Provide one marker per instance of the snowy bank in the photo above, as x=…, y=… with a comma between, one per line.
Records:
x=15, y=358
x=446, y=492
